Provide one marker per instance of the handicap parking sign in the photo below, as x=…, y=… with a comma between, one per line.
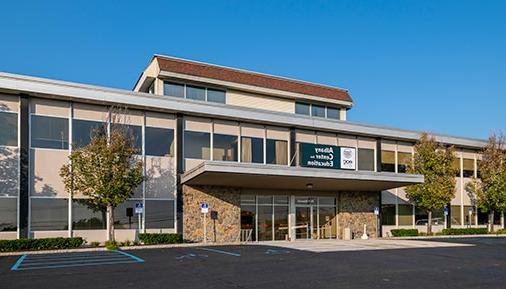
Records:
x=204, y=208
x=139, y=208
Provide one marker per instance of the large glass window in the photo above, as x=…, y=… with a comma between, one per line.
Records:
x=125, y=217
x=387, y=161
x=365, y=159
x=8, y=214
x=248, y=217
x=8, y=129
x=195, y=92
x=159, y=214
x=134, y=133
x=468, y=170
x=50, y=132
x=49, y=214
x=173, y=89
x=277, y=152
x=265, y=221
x=86, y=218
x=422, y=217
x=302, y=108
x=456, y=165
x=332, y=112
x=455, y=215
x=214, y=95
x=197, y=145
x=318, y=110
x=388, y=214
x=281, y=222
x=84, y=130
x=403, y=161
x=224, y=147
x=252, y=150
x=405, y=215
x=159, y=141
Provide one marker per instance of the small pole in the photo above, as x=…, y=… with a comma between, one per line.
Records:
x=205, y=228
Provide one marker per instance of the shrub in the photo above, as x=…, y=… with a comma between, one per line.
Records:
x=40, y=244
x=500, y=232
x=465, y=231
x=95, y=244
x=111, y=245
x=150, y=239
x=404, y=232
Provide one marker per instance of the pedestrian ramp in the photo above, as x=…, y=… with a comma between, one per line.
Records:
x=77, y=259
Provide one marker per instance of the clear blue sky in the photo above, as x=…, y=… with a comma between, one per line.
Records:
x=427, y=65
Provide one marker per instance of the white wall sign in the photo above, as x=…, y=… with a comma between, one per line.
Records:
x=348, y=158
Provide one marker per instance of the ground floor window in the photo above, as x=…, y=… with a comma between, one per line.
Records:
x=422, y=217
x=388, y=214
x=159, y=214
x=455, y=214
x=8, y=214
x=49, y=214
x=86, y=217
x=405, y=214
x=483, y=218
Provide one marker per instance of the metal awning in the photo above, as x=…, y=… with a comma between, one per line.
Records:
x=260, y=176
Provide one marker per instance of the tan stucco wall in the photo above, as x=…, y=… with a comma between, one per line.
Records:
x=251, y=100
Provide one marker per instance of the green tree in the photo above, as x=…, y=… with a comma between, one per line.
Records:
x=489, y=191
x=105, y=171
x=435, y=163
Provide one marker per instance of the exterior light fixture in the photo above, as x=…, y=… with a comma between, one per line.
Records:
x=309, y=186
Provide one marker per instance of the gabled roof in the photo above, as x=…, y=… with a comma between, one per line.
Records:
x=222, y=73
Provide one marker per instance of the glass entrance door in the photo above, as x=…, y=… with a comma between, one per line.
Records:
x=303, y=224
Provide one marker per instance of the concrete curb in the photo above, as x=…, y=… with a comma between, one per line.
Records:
x=126, y=248
x=447, y=237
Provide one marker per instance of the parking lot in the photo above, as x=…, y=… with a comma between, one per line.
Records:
x=451, y=263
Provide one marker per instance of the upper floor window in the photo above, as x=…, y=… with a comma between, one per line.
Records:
x=49, y=132
x=197, y=145
x=252, y=150
x=365, y=159
x=224, y=147
x=194, y=92
x=468, y=168
x=403, y=161
x=159, y=141
x=316, y=110
x=276, y=152
x=388, y=161
x=9, y=129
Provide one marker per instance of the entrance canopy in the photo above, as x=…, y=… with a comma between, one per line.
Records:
x=260, y=176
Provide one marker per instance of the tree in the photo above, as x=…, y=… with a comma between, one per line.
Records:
x=489, y=191
x=105, y=171
x=435, y=163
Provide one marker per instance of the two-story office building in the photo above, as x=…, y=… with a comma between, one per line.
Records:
x=274, y=158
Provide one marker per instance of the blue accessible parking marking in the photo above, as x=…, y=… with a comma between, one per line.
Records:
x=46, y=261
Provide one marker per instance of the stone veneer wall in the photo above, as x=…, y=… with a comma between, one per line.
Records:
x=355, y=210
x=224, y=202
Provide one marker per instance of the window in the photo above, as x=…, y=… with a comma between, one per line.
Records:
x=194, y=92
x=405, y=215
x=84, y=130
x=317, y=110
x=252, y=150
x=160, y=214
x=403, y=160
x=302, y=108
x=173, y=89
x=365, y=159
x=134, y=133
x=85, y=218
x=422, y=217
x=224, y=147
x=214, y=95
x=9, y=129
x=197, y=145
x=468, y=170
x=277, y=152
x=50, y=132
x=248, y=216
x=159, y=141
x=388, y=214
x=455, y=215
x=387, y=161
x=8, y=214
x=125, y=217
x=49, y=214
x=456, y=165
x=478, y=171
x=332, y=112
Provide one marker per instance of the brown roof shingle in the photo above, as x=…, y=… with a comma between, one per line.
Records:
x=250, y=78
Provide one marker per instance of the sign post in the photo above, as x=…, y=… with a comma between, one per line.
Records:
x=445, y=211
x=376, y=213
x=470, y=212
x=139, y=210
x=204, y=209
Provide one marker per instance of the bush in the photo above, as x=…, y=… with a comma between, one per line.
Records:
x=404, y=232
x=500, y=232
x=465, y=231
x=40, y=244
x=150, y=239
x=111, y=245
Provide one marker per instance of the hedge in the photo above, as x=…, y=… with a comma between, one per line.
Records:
x=40, y=244
x=500, y=232
x=404, y=232
x=465, y=231
x=150, y=239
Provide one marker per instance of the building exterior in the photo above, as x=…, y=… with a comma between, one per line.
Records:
x=274, y=158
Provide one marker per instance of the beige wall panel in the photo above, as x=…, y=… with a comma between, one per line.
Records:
x=326, y=138
x=50, y=234
x=160, y=231
x=226, y=127
x=401, y=194
x=305, y=136
x=347, y=140
x=250, y=100
x=278, y=133
x=132, y=117
x=252, y=130
x=468, y=155
x=191, y=163
x=9, y=103
x=161, y=177
x=91, y=112
x=45, y=172
x=8, y=235
x=466, y=197
x=9, y=162
x=91, y=235
x=388, y=145
x=197, y=124
x=123, y=235
x=155, y=119
x=367, y=143
x=50, y=107
x=456, y=200
x=388, y=197
x=404, y=147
